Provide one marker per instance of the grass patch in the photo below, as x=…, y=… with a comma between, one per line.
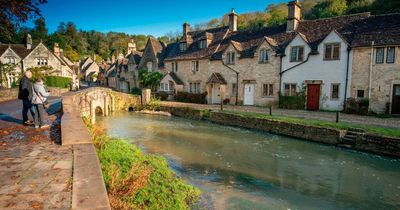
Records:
x=136, y=180
x=393, y=132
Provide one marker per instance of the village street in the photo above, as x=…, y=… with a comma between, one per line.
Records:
x=36, y=172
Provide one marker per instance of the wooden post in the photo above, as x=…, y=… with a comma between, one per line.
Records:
x=337, y=117
x=270, y=110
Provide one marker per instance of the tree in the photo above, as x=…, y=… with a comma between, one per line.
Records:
x=5, y=70
x=277, y=14
x=385, y=6
x=13, y=12
x=149, y=79
x=42, y=72
x=40, y=30
x=329, y=8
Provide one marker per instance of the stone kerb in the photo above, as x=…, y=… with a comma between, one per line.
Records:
x=88, y=188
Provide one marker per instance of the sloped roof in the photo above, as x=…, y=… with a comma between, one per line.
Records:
x=20, y=49
x=216, y=78
x=176, y=79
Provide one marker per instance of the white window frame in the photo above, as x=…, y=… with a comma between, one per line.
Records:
x=183, y=46
x=264, y=56
x=387, y=55
x=338, y=91
x=297, y=58
x=290, y=89
x=267, y=90
x=149, y=66
x=174, y=66
x=195, y=66
x=381, y=58
x=203, y=44
x=332, y=50
x=230, y=58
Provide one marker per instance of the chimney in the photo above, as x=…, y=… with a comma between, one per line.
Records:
x=61, y=52
x=56, y=50
x=28, y=41
x=186, y=28
x=294, y=15
x=233, y=17
x=131, y=46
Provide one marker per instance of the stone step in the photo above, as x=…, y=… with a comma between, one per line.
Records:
x=353, y=133
x=358, y=130
x=348, y=141
x=351, y=136
x=345, y=146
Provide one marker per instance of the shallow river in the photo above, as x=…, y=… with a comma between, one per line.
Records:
x=242, y=169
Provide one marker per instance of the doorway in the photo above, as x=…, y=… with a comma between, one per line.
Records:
x=313, y=93
x=248, y=94
x=396, y=99
x=215, y=94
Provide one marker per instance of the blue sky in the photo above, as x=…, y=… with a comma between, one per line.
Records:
x=153, y=17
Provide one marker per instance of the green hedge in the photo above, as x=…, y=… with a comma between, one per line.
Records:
x=292, y=102
x=197, y=98
x=357, y=106
x=57, y=81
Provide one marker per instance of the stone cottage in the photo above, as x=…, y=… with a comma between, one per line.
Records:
x=328, y=60
x=25, y=56
x=90, y=69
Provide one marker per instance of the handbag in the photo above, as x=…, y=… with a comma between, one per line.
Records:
x=46, y=103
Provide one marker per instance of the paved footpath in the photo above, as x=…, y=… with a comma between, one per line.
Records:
x=35, y=171
x=325, y=116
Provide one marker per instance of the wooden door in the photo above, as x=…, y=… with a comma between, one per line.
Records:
x=313, y=92
x=248, y=94
x=396, y=99
x=215, y=94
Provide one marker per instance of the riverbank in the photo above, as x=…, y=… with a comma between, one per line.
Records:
x=372, y=139
x=135, y=180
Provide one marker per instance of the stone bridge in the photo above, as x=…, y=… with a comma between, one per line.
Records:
x=98, y=100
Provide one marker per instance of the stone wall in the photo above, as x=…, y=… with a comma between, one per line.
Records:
x=383, y=77
x=12, y=94
x=378, y=144
x=312, y=133
x=185, y=112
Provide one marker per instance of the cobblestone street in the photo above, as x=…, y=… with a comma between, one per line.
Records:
x=314, y=115
x=36, y=172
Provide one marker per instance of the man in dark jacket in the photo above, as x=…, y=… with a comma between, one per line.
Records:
x=25, y=94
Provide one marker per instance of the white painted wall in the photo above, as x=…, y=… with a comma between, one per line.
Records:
x=316, y=68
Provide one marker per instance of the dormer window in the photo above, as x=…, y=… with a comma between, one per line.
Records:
x=263, y=57
x=230, y=58
x=11, y=60
x=183, y=46
x=332, y=51
x=149, y=66
x=203, y=44
x=297, y=54
x=42, y=61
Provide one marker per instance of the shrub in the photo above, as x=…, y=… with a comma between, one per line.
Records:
x=154, y=104
x=357, y=106
x=226, y=101
x=292, y=102
x=136, y=91
x=135, y=180
x=57, y=81
x=163, y=96
x=197, y=98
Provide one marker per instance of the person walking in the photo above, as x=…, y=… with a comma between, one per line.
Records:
x=25, y=94
x=39, y=99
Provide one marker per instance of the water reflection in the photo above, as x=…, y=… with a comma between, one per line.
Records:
x=241, y=169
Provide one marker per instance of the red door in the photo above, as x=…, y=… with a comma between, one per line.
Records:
x=313, y=92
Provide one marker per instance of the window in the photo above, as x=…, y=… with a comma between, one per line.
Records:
x=263, y=58
x=194, y=87
x=268, y=90
x=380, y=54
x=42, y=61
x=183, y=46
x=335, y=91
x=175, y=66
x=296, y=54
x=203, y=44
x=234, y=89
x=195, y=66
x=290, y=89
x=360, y=93
x=11, y=60
x=149, y=66
x=332, y=51
x=230, y=58
x=167, y=87
x=390, y=55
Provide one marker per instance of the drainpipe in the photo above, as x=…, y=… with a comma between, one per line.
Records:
x=347, y=77
x=280, y=80
x=370, y=71
x=237, y=81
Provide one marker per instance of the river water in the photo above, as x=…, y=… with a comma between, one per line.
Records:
x=241, y=169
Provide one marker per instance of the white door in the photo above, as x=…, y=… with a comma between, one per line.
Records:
x=215, y=94
x=248, y=94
